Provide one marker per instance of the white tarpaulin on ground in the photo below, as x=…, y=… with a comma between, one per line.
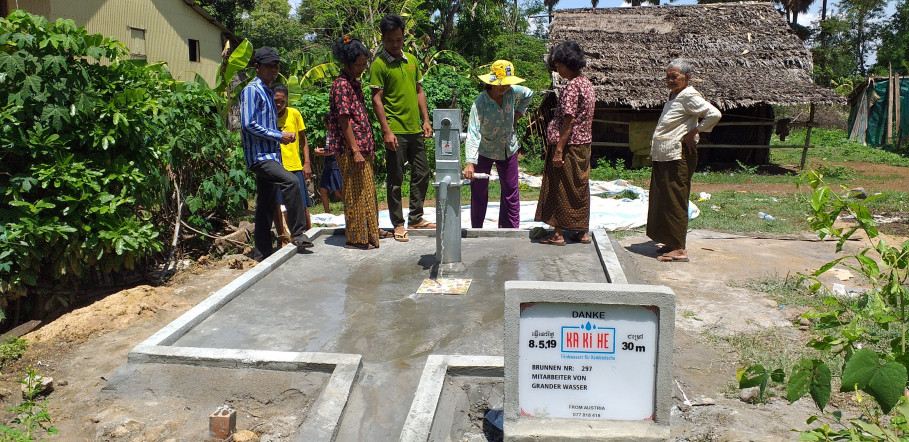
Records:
x=607, y=210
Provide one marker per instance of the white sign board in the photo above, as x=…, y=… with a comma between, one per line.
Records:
x=587, y=361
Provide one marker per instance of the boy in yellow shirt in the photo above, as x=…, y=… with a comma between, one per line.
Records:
x=290, y=120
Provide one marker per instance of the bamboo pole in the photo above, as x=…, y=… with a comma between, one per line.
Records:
x=888, y=135
x=807, y=136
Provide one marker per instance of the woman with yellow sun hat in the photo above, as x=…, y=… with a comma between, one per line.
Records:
x=491, y=140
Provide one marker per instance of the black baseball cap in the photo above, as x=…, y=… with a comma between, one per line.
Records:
x=266, y=55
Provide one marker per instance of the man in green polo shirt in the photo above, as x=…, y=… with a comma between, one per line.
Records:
x=399, y=102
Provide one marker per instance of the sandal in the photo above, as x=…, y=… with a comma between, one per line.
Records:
x=359, y=246
x=550, y=241
x=385, y=234
x=579, y=237
x=670, y=258
x=401, y=237
x=423, y=225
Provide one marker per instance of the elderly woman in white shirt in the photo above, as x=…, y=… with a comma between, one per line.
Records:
x=675, y=157
x=491, y=139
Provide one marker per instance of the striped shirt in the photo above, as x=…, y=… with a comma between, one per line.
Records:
x=259, y=123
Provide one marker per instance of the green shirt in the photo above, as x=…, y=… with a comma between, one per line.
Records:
x=398, y=78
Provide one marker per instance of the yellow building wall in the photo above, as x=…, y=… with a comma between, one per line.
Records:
x=168, y=26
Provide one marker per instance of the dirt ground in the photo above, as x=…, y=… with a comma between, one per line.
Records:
x=83, y=349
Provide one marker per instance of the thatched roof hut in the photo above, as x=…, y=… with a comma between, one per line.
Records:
x=746, y=60
x=744, y=53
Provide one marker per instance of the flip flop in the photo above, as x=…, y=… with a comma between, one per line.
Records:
x=385, y=234
x=302, y=242
x=578, y=237
x=423, y=225
x=669, y=258
x=552, y=242
x=401, y=237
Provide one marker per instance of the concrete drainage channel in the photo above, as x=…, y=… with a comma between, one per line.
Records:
x=325, y=418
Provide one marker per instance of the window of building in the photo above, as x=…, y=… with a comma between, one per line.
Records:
x=194, y=54
x=136, y=42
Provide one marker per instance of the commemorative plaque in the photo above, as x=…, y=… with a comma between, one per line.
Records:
x=587, y=361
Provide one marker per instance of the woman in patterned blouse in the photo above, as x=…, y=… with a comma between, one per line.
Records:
x=564, y=200
x=491, y=139
x=350, y=136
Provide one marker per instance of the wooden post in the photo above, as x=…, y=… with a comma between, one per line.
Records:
x=897, y=109
x=807, y=136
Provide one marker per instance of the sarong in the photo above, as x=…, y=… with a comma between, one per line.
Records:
x=670, y=188
x=361, y=211
x=565, y=191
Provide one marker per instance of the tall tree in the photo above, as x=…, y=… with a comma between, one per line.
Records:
x=863, y=15
x=594, y=3
x=270, y=24
x=330, y=19
x=834, y=58
x=228, y=12
x=894, y=48
x=549, y=5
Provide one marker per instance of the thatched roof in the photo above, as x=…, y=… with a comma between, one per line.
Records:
x=743, y=53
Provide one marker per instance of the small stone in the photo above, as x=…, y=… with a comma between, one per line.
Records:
x=683, y=407
x=858, y=193
x=245, y=436
x=62, y=383
x=805, y=322
x=43, y=385
x=749, y=395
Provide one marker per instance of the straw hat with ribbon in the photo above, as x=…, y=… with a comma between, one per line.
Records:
x=501, y=73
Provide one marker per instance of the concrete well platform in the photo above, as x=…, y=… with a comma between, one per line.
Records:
x=363, y=307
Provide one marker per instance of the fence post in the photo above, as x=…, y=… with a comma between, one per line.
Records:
x=807, y=136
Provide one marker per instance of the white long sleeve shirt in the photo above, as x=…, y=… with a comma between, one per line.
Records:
x=687, y=111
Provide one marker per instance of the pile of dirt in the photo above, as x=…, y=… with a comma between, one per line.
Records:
x=113, y=312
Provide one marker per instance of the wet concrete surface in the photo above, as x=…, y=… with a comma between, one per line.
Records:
x=365, y=302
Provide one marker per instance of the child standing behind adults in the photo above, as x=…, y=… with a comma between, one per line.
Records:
x=290, y=120
x=350, y=136
x=331, y=175
x=491, y=139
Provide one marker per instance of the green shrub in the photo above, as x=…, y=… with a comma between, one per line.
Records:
x=92, y=153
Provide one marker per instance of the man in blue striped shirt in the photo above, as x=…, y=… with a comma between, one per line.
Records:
x=262, y=150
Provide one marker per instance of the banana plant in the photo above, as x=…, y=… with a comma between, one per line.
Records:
x=238, y=61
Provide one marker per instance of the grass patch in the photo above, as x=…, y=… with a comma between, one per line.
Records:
x=737, y=212
x=772, y=349
x=12, y=349
x=532, y=164
x=606, y=170
x=833, y=145
x=890, y=202
x=785, y=291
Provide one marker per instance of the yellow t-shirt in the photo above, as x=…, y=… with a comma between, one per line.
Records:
x=291, y=121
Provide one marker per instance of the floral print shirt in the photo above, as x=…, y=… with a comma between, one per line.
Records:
x=578, y=100
x=490, y=129
x=346, y=98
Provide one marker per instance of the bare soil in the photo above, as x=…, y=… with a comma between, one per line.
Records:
x=82, y=350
